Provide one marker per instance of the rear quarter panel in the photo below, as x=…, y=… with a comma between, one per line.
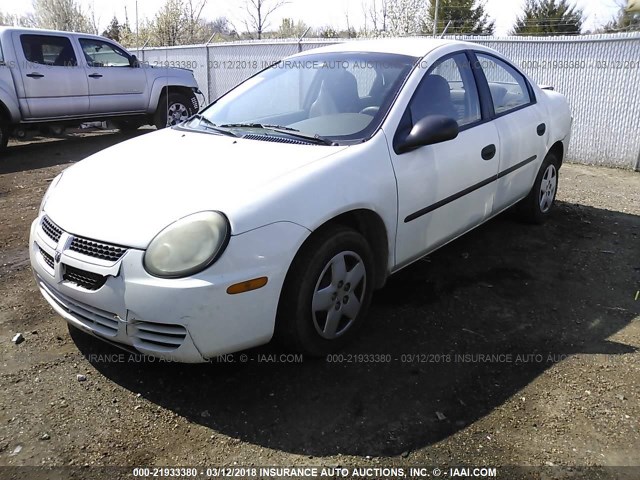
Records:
x=560, y=118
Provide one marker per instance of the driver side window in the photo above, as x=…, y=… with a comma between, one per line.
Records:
x=448, y=89
x=103, y=54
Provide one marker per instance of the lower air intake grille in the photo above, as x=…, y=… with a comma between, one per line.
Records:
x=158, y=336
x=84, y=279
x=48, y=259
x=98, y=321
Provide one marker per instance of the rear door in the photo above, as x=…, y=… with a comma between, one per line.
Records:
x=521, y=126
x=115, y=86
x=54, y=84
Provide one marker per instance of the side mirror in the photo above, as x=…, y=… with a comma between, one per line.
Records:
x=133, y=61
x=428, y=131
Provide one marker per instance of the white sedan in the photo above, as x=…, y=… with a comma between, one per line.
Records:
x=282, y=206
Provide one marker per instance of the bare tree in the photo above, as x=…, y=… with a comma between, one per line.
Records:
x=351, y=32
x=258, y=13
x=26, y=20
x=291, y=29
x=406, y=17
x=195, y=26
x=168, y=23
x=378, y=13
x=179, y=22
x=62, y=15
x=220, y=26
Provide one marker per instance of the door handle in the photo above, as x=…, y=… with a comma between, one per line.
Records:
x=488, y=152
x=95, y=75
x=541, y=129
x=35, y=75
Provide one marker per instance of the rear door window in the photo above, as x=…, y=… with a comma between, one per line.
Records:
x=48, y=50
x=509, y=88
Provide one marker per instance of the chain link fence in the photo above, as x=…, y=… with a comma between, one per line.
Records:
x=599, y=74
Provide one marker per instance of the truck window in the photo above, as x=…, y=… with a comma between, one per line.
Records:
x=48, y=50
x=102, y=54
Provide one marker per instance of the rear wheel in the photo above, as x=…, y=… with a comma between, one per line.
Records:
x=172, y=110
x=536, y=207
x=327, y=292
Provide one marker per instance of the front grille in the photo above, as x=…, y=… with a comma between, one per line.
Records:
x=51, y=229
x=90, y=248
x=157, y=336
x=48, y=259
x=95, y=249
x=97, y=320
x=84, y=279
x=269, y=138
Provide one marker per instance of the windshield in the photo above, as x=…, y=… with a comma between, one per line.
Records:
x=338, y=97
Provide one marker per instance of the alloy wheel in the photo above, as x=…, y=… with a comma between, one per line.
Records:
x=338, y=294
x=548, y=187
x=176, y=113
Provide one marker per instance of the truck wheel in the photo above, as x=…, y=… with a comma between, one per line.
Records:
x=327, y=292
x=172, y=110
x=536, y=207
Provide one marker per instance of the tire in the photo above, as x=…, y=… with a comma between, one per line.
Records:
x=172, y=110
x=4, y=135
x=537, y=206
x=316, y=277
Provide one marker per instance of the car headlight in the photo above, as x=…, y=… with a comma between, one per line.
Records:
x=54, y=182
x=187, y=246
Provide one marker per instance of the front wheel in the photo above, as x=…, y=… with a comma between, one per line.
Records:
x=327, y=292
x=172, y=110
x=536, y=207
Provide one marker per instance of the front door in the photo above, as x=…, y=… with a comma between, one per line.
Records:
x=115, y=85
x=447, y=188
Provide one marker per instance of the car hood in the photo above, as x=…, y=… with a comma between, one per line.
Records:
x=128, y=193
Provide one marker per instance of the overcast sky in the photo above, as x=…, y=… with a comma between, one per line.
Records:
x=316, y=13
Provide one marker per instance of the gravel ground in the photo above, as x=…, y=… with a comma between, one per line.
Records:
x=515, y=345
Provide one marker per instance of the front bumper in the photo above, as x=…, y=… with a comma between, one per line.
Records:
x=190, y=319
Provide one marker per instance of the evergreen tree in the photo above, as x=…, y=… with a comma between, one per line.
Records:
x=549, y=17
x=114, y=30
x=468, y=17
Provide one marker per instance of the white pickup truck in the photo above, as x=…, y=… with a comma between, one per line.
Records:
x=55, y=79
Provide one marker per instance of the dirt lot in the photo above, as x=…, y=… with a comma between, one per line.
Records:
x=515, y=345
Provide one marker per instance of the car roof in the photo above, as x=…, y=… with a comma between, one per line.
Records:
x=414, y=47
x=42, y=31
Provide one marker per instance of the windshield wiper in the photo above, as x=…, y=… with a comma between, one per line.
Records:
x=209, y=125
x=293, y=132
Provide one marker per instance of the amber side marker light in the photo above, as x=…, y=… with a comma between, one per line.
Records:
x=247, y=286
